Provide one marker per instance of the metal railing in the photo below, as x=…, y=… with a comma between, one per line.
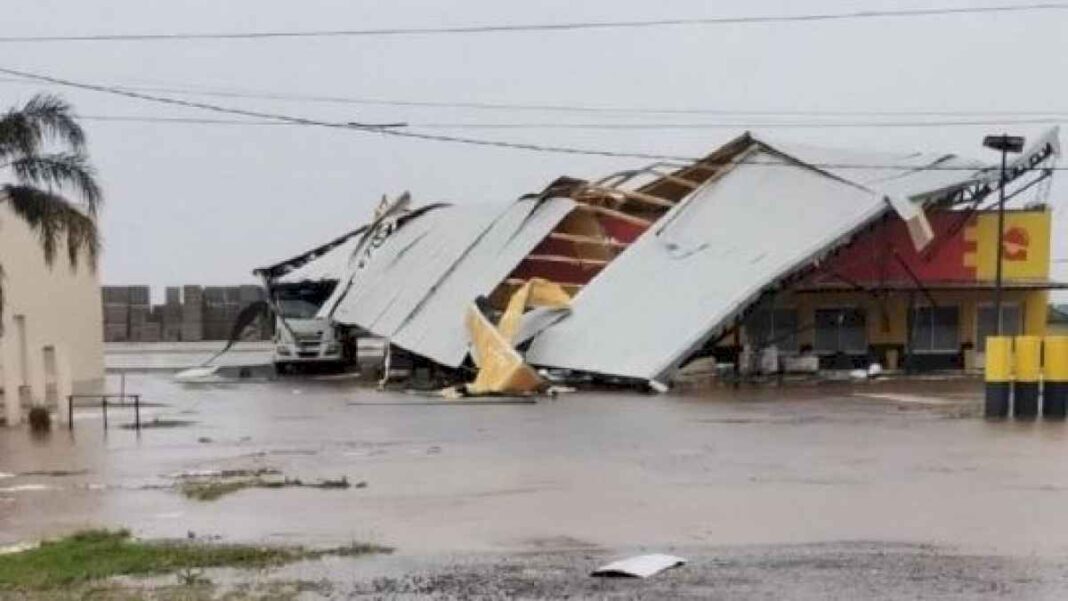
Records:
x=136, y=403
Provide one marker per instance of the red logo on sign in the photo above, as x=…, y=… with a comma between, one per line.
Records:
x=1014, y=244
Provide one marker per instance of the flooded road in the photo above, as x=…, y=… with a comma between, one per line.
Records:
x=889, y=462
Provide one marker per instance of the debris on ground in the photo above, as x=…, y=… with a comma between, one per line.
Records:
x=641, y=566
x=501, y=367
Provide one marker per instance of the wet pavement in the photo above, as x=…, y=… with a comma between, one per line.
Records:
x=592, y=472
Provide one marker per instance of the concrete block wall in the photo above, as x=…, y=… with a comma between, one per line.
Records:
x=190, y=313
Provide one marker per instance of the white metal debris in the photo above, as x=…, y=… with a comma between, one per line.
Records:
x=642, y=566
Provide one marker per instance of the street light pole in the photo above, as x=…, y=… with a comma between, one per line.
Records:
x=1000, y=242
x=1006, y=144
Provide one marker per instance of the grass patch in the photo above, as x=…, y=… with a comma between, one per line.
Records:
x=214, y=487
x=210, y=490
x=94, y=555
x=97, y=554
x=352, y=550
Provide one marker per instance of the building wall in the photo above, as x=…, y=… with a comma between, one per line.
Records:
x=961, y=260
x=886, y=319
x=52, y=327
x=190, y=314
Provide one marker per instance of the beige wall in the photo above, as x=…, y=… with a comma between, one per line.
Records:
x=61, y=312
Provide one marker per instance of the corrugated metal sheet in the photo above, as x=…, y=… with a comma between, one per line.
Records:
x=418, y=283
x=436, y=328
x=409, y=264
x=691, y=273
x=330, y=266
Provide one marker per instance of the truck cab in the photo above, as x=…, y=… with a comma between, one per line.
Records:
x=301, y=339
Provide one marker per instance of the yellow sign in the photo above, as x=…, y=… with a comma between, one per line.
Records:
x=1025, y=247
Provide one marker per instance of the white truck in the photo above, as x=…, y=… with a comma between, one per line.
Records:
x=301, y=339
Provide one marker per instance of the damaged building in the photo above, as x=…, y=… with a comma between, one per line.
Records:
x=839, y=258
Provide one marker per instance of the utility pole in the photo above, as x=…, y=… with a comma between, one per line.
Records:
x=1006, y=144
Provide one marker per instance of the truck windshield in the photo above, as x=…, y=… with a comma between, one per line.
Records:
x=302, y=300
x=297, y=309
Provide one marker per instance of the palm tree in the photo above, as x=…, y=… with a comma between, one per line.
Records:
x=42, y=153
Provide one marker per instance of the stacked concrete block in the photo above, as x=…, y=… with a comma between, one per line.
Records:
x=173, y=296
x=215, y=323
x=151, y=332
x=140, y=317
x=192, y=313
x=171, y=315
x=116, y=313
x=140, y=310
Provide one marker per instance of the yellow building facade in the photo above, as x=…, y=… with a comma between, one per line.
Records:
x=880, y=300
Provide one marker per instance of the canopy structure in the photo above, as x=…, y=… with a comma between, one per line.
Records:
x=765, y=215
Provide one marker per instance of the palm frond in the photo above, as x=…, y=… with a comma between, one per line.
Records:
x=60, y=170
x=52, y=217
x=23, y=131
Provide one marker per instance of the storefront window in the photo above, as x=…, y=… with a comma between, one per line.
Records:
x=773, y=326
x=841, y=330
x=1010, y=323
x=935, y=329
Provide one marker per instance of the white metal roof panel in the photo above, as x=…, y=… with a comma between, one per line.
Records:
x=409, y=264
x=331, y=266
x=436, y=327
x=701, y=264
x=903, y=174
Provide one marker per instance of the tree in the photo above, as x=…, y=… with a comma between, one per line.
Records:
x=42, y=158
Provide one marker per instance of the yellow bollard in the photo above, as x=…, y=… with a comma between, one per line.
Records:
x=1028, y=372
x=998, y=375
x=1055, y=378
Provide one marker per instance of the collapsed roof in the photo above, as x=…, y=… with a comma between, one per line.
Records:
x=763, y=216
x=658, y=261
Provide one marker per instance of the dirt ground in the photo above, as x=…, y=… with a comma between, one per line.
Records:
x=802, y=572
x=880, y=490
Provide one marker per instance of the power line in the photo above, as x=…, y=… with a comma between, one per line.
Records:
x=565, y=108
x=600, y=125
x=336, y=125
x=390, y=130
x=543, y=27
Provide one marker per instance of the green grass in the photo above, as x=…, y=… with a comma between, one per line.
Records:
x=212, y=488
x=98, y=554
x=209, y=490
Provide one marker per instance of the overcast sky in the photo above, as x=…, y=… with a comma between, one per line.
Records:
x=207, y=203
